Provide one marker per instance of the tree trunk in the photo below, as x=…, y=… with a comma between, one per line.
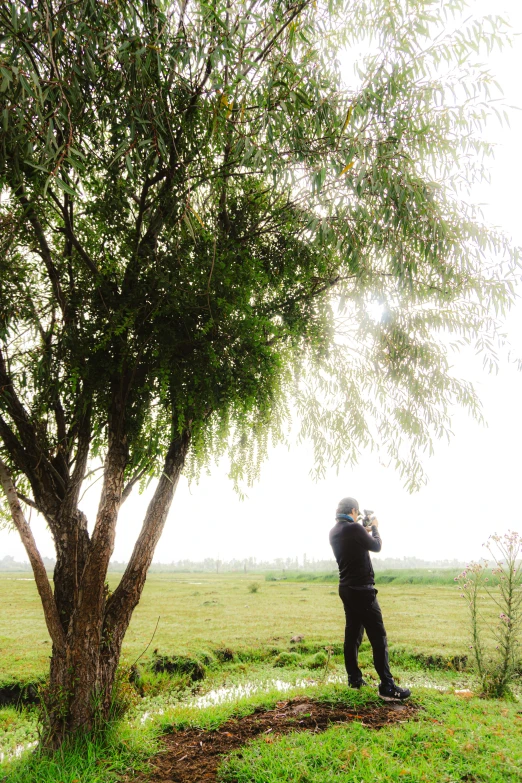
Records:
x=80, y=695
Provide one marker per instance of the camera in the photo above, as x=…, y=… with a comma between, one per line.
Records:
x=367, y=518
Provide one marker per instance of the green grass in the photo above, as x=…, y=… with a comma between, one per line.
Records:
x=17, y=728
x=124, y=750
x=450, y=741
x=399, y=576
x=202, y=612
x=443, y=740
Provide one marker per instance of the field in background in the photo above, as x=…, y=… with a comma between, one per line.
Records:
x=199, y=612
x=399, y=576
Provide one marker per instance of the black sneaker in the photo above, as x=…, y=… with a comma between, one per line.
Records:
x=358, y=684
x=393, y=693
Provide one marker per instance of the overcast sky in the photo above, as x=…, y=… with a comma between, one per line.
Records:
x=474, y=483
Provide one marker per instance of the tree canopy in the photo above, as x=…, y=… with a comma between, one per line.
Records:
x=198, y=209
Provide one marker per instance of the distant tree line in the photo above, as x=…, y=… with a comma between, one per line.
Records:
x=211, y=565
x=8, y=563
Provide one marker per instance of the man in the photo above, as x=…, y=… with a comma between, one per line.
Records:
x=351, y=544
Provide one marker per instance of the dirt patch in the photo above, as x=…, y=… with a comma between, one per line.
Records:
x=193, y=755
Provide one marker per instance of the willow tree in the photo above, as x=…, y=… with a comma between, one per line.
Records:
x=197, y=209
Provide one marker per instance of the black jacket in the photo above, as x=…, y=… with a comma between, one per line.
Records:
x=351, y=543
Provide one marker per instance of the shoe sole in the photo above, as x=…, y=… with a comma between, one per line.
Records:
x=393, y=698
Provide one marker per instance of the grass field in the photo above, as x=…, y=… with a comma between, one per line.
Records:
x=397, y=576
x=449, y=740
x=446, y=744
x=199, y=612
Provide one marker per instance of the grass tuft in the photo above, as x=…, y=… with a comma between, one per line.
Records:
x=288, y=659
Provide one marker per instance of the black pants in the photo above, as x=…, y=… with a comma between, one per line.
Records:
x=363, y=613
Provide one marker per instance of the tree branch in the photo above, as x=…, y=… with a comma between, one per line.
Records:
x=27, y=451
x=27, y=501
x=42, y=582
x=126, y=596
x=72, y=494
x=127, y=489
x=261, y=56
x=141, y=211
x=16, y=450
x=45, y=250
x=102, y=540
x=297, y=11
x=69, y=232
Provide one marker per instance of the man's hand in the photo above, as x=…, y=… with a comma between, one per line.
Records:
x=374, y=523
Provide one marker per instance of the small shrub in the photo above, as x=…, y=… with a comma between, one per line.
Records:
x=496, y=668
x=254, y=587
x=9, y=718
x=124, y=694
x=317, y=661
x=160, y=683
x=179, y=664
x=285, y=659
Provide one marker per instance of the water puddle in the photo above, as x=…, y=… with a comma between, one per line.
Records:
x=244, y=690
x=421, y=682
x=16, y=752
x=232, y=693
x=150, y=714
x=236, y=692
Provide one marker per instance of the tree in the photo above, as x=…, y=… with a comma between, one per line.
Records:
x=196, y=213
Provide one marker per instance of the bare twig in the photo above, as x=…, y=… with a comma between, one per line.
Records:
x=149, y=644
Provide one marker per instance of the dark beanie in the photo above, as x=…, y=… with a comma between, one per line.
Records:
x=346, y=504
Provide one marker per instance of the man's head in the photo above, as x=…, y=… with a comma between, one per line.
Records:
x=348, y=506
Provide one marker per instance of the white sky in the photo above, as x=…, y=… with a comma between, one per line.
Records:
x=473, y=483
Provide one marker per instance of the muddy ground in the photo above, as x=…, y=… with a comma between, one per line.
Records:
x=194, y=755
